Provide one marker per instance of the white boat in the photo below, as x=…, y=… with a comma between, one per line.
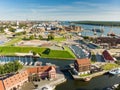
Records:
x=26, y=63
x=115, y=71
x=46, y=87
x=30, y=63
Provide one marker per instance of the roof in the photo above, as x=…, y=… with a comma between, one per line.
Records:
x=1, y=85
x=107, y=55
x=39, y=69
x=21, y=76
x=83, y=61
x=13, y=80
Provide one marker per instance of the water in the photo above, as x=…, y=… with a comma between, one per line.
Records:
x=60, y=63
x=107, y=29
x=87, y=29
x=97, y=83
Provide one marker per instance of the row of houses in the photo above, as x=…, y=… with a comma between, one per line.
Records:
x=15, y=81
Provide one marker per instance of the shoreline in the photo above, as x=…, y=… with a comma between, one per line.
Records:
x=89, y=77
x=38, y=57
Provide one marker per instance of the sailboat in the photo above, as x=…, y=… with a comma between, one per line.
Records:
x=111, y=33
x=26, y=61
x=31, y=61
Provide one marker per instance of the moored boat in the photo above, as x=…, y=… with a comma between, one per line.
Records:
x=115, y=71
x=87, y=79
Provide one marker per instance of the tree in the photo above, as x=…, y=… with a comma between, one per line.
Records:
x=17, y=65
x=12, y=29
x=40, y=37
x=34, y=53
x=31, y=37
x=10, y=67
x=50, y=37
x=2, y=29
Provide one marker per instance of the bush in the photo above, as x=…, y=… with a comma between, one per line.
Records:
x=32, y=37
x=40, y=37
x=50, y=37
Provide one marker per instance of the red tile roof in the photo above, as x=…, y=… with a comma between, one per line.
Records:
x=15, y=79
x=1, y=85
x=83, y=61
x=107, y=55
x=9, y=82
x=38, y=69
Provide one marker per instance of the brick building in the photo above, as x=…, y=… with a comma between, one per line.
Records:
x=82, y=66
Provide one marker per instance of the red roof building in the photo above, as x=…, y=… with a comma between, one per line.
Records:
x=15, y=82
x=107, y=56
x=43, y=71
x=82, y=65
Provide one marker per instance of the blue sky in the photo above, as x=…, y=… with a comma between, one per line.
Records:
x=104, y=10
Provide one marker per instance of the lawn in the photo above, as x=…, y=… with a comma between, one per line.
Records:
x=9, y=50
x=13, y=41
x=110, y=66
x=69, y=50
x=59, y=39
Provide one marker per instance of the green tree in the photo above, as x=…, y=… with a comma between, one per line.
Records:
x=2, y=29
x=2, y=69
x=34, y=53
x=17, y=65
x=32, y=37
x=12, y=29
x=40, y=37
x=50, y=37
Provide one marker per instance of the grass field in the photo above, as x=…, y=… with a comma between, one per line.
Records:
x=110, y=66
x=13, y=41
x=68, y=49
x=59, y=39
x=9, y=50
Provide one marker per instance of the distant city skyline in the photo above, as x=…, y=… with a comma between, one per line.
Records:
x=70, y=10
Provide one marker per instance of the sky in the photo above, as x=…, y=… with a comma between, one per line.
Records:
x=65, y=10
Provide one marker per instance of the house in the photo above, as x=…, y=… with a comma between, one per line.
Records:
x=82, y=66
x=107, y=56
x=14, y=82
x=43, y=71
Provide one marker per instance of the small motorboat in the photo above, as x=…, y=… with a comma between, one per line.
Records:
x=115, y=71
x=47, y=87
x=87, y=79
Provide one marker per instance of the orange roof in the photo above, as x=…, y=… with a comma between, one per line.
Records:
x=13, y=80
x=83, y=61
x=39, y=69
x=1, y=85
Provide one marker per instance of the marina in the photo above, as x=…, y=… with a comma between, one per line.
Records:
x=71, y=84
